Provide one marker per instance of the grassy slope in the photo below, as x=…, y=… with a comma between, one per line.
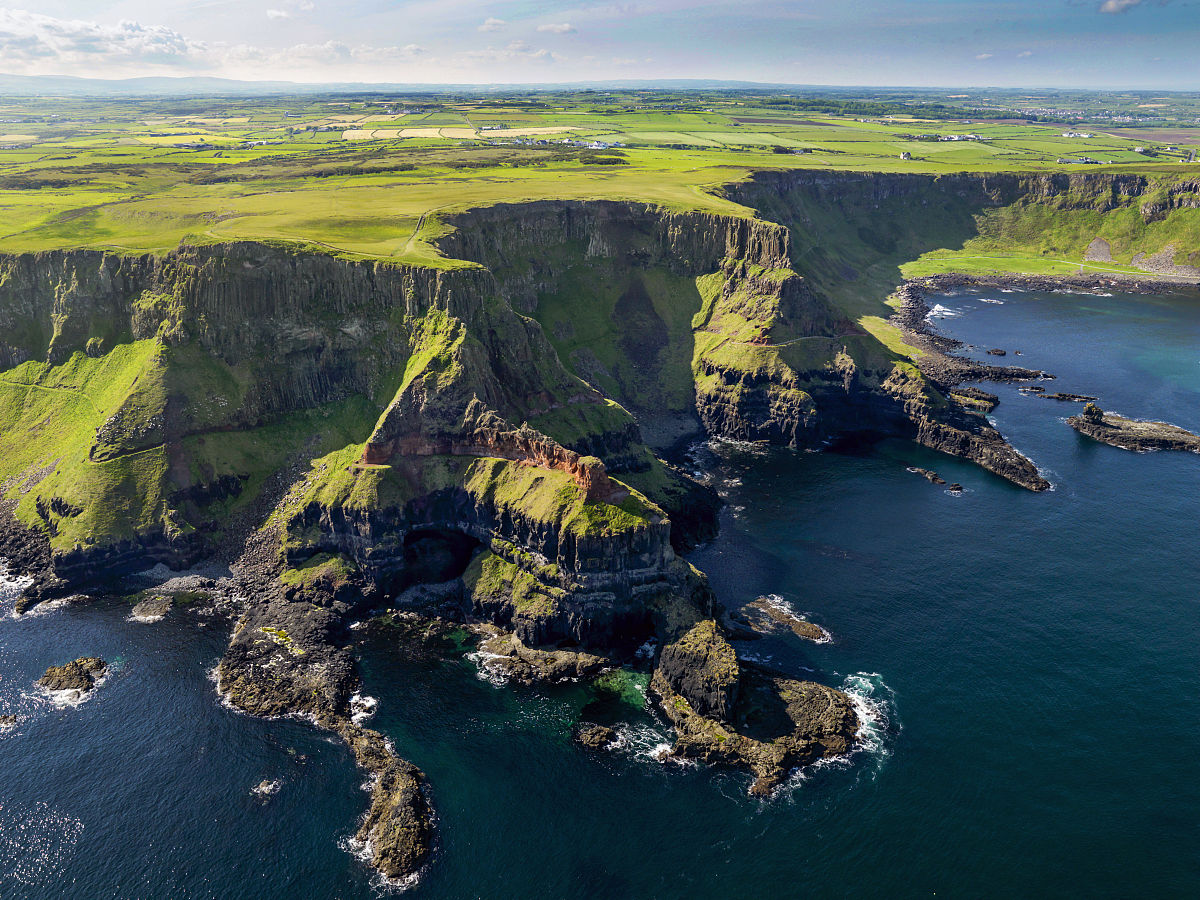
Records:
x=95, y=424
x=1048, y=239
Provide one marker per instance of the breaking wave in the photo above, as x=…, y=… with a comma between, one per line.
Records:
x=875, y=704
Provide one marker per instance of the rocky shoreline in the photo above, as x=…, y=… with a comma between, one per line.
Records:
x=941, y=364
x=948, y=370
x=938, y=360
x=290, y=654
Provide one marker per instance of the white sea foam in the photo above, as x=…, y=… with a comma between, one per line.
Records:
x=749, y=657
x=718, y=444
x=991, y=300
x=874, y=704
x=11, y=587
x=484, y=670
x=943, y=312
x=647, y=742
x=362, y=707
x=45, y=609
x=265, y=788
x=69, y=699
x=380, y=883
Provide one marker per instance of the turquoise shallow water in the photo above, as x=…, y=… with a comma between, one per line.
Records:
x=1031, y=661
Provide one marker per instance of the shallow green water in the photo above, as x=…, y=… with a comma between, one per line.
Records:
x=1031, y=662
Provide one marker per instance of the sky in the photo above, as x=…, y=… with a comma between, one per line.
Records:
x=1019, y=43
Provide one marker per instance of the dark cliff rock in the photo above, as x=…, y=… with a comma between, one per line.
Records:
x=702, y=667
x=774, y=360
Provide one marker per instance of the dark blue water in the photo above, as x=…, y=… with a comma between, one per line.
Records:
x=1031, y=660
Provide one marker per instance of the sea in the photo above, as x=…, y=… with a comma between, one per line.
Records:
x=1027, y=668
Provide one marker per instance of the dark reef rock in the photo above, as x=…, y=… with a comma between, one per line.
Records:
x=152, y=609
x=1132, y=434
x=505, y=655
x=1065, y=397
x=782, y=724
x=975, y=399
x=767, y=614
x=928, y=474
x=398, y=829
x=79, y=675
x=701, y=666
x=595, y=737
x=733, y=713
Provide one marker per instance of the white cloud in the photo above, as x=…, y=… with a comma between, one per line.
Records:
x=27, y=37
x=984, y=55
x=491, y=23
x=513, y=52
x=329, y=53
x=1118, y=6
x=1025, y=54
x=563, y=28
x=291, y=10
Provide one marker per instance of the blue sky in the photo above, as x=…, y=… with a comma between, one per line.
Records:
x=1036, y=43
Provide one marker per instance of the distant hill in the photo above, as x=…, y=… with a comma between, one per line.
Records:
x=67, y=86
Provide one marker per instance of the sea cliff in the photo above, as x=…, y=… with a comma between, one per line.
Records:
x=486, y=441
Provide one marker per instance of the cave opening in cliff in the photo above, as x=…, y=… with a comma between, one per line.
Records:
x=436, y=555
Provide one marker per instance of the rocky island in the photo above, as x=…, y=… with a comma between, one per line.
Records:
x=76, y=678
x=1132, y=434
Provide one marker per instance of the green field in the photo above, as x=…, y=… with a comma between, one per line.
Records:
x=146, y=175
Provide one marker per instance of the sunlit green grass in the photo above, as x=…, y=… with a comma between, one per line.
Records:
x=106, y=176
